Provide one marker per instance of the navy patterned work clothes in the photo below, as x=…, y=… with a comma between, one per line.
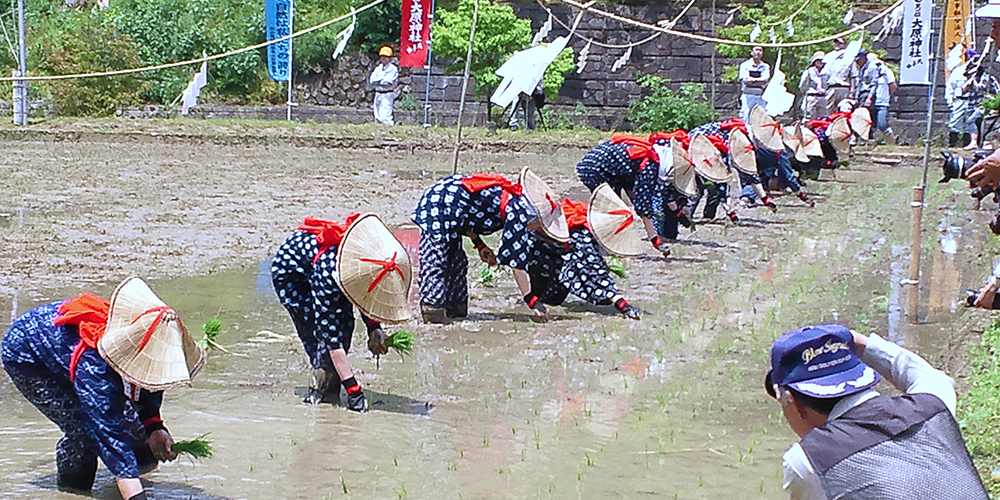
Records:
x=556, y=271
x=93, y=411
x=450, y=209
x=608, y=162
x=322, y=315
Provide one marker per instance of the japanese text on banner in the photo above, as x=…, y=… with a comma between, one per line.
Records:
x=415, y=33
x=278, y=24
x=914, y=66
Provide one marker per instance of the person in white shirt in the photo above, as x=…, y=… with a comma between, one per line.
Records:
x=953, y=89
x=384, y=80
x=838, y=86
x=878, y=100
x=754, y=75
x=856, y=443
x=813, y=86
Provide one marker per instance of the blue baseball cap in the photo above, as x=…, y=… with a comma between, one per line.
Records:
x=818, y=361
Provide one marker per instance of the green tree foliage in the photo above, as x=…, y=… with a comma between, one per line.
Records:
x=376, y=27
x=819, y=19
x=177, y=30
x=499, y=33
x=77, y=43
x=666, y=110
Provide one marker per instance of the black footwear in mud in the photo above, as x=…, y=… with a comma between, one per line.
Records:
x=433, y=314
x=78, y=480
x=357, y=402
x=456, y=311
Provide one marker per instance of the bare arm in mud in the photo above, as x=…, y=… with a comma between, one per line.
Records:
x=524, y=285
x=485, y=253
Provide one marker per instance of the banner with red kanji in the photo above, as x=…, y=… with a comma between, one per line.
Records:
x=416, y=32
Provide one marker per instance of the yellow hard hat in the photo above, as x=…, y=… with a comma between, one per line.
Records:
x=385, y=51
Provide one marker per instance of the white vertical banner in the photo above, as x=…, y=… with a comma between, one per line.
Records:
x=914, y=65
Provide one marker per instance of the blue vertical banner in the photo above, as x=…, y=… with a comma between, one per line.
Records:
x=278, y=23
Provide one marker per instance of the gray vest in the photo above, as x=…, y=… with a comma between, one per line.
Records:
x=888, y=448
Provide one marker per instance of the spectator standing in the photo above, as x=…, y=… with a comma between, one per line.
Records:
x=838, y=84
x=384, y=80
x=813, y=86
x=878, y=100
x=754, y=75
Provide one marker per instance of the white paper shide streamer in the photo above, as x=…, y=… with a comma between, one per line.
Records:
x=542, y=32
x=189, y=98
x=581, y=60
x=621, y=60
x=345, y=35
x=755, y=33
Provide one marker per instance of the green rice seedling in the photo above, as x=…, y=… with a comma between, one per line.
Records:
x=212, y=328
x=487, y=277
x=615, y=264
x=198, y=447
x=401, y=341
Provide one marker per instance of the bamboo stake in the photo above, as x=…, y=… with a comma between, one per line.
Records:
x=917, y=205
x=465, y=86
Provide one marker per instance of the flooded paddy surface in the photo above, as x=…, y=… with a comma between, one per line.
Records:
x=588, y=405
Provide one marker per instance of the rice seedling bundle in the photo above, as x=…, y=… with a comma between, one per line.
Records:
x=198, y=447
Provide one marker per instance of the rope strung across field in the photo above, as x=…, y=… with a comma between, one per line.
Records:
x=789, y=18
x=198, y=60
x=711, y=39
x=612, y=45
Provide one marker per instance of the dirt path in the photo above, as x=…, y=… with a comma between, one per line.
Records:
x=495, y=407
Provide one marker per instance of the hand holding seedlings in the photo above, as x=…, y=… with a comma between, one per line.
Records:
x=377, y=342
x=163, y=445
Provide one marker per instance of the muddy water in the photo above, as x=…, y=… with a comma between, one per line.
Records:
x=586, y=406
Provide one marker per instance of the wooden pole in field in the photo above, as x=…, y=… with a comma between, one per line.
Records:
x=917, y=205
x=465, y=86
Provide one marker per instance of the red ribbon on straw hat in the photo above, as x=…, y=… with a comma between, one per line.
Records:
x=387, y=266
x=160, y=312
x=629, y=218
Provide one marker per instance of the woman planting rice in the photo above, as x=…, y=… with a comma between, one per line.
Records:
x=630, y=165
x=579, y=267
x=98, y=370
x=320, y=273
x=472, y=206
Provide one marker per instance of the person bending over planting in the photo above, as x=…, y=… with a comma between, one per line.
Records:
x=472, y=206
x=630, y=165
x=856, y=443
x=320, y=273
x=579, y=267
x=98, y=370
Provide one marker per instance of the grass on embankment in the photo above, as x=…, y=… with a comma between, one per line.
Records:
x=979, y=408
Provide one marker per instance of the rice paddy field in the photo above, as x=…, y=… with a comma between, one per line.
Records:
x=588, y=405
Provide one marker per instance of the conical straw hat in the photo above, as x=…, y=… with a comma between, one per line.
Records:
x=685, y=178
x=861, y=122
x=794, y=142
x=765, y=129
x=374, y=270
x=145, y=341
x=791, y=139
x=810, y=142
x=839, y=133
x=741, y=152
x=613, y=223
x=707, y=160
x=546, y=204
